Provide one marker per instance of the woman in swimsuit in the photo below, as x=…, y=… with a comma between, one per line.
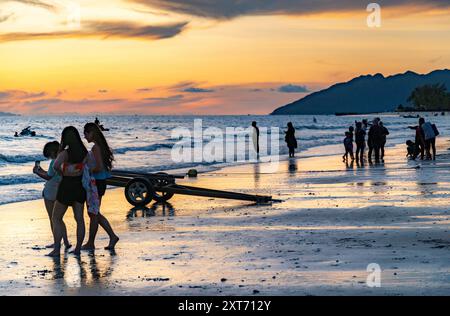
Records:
x=69, y=164
x=101, y=170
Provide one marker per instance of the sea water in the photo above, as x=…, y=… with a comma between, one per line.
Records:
x=144, y=143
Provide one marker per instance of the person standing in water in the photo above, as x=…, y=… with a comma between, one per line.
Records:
x=384, y=139
x=360, y=140
x=376, y=138
x=348, y=146
x=70, y=163
x=430, y=132
x=291, y=140
x=255, y=137
x=419, y=140
x=103, y=157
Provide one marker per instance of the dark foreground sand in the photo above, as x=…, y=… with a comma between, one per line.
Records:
x=333, y=223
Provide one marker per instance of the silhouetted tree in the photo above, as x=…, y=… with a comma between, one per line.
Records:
x=430, y=98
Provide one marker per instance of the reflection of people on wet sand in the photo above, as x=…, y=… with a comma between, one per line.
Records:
x=292, y=166
x=291, y=140
x=96, y=272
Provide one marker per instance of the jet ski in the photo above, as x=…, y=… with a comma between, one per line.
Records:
x=26, y=132
x=103, y=129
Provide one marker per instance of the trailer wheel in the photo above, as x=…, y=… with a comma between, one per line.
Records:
x=139, y=192
x=162, y=197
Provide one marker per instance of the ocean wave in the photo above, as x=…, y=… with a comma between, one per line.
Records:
x=318, y=127
x=19, y=179
x=153, y=147
x=21, y=158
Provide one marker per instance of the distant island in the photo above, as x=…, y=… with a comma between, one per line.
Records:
x=377, y=93
x=8, y=114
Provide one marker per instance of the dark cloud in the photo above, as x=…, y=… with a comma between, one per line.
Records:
x=102, y=91
x=165, y=99
x=197, y=90
x=182, y=85
x=104, y=30
x=189, y=87
x=227, y=9
x=52, y=101
x=42, y=102
x=144, y=90
x=21, y=95
x=293, y=89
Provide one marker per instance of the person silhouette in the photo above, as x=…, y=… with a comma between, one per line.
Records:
x=291, y=140
x=255, y=137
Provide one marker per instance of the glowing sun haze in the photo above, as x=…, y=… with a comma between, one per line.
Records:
x=203, y=57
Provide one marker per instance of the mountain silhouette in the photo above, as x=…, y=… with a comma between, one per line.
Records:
x=364, y=94
x=7, y=114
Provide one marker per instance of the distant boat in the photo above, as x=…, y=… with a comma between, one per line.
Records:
x=411, y=116
x=346, y=114
x=103, y=129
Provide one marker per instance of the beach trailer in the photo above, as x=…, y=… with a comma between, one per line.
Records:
x=142, y=188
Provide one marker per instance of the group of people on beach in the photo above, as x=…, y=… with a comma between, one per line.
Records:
x=76, y=177
x=425, y=141
x=376, y=132
x=374, y=136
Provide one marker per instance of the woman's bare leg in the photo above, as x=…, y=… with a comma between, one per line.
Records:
x=113, y=238
x=95, y=221
x=93, y=229
x=58, y=227
x=49, y=205
x=78, y=209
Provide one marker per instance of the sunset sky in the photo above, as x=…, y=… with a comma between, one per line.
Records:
x=204, y=57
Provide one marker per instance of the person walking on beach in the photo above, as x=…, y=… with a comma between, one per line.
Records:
x=291, y=140
x=360, y=139
x=376, y=139
x=70, y=163
x=430, y=132
x=385, y=133
x=255, y=137
x=50, y=191
x=103, y=157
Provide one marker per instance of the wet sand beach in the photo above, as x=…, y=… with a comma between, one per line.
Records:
x=333, y=222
